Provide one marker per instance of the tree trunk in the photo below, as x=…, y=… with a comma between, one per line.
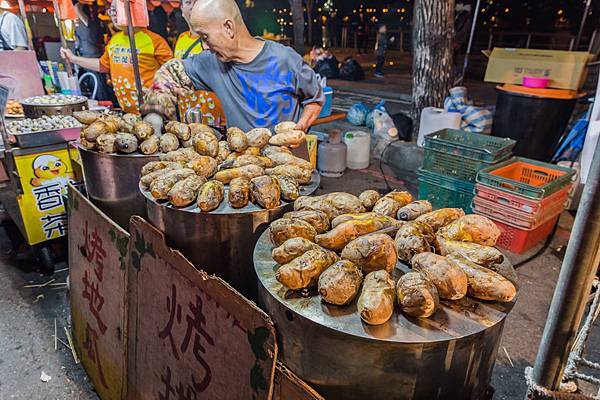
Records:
x=309, y=6
x=433, y=71
x=298, y=21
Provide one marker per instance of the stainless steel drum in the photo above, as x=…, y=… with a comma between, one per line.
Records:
x=220, y=242
x=448, y=356
x=112, y=181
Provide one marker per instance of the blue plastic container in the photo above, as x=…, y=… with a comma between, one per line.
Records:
x=326, y=110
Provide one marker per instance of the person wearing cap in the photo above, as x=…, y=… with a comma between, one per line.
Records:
x=188, y=44
x=13, y=35
x=153, y=51
x=259, y=82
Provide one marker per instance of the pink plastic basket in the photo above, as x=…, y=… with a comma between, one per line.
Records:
x=518, y=219
x=536, y=82
x=520, y=240
x=520, y=203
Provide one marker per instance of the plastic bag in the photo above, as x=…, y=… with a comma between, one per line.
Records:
x=384, y=126
x=351, y=70
x=357, y=114
x=369, y=120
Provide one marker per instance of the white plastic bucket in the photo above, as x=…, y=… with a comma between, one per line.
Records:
x=358, y=155
x=435, y=119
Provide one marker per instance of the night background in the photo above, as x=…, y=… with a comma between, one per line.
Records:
x=544, y=16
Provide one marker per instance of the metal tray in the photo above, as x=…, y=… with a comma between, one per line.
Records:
x=448, y=356
x=43, y=138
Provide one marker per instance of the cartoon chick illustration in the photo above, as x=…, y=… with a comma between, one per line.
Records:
x=46, y=168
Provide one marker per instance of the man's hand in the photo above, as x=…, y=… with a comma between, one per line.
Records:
x=67, y=55
x=309, y=115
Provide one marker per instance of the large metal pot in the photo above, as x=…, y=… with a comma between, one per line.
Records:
x=448, y=356
x=112, y=183
x=220, y=242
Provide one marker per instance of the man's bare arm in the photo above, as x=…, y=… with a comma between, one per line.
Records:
x=309, y=114
x=93, y=64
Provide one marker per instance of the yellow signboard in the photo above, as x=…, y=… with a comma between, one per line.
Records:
x=44, y=177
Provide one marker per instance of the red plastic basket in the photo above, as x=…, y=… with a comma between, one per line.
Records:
x=520, y=240
x=520, y=203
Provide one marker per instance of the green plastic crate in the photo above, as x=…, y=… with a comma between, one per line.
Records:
x=470, y=145
x=530, y=178
x=443, y=191
x=452, y=165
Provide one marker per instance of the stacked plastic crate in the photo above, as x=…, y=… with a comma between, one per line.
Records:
x=452, y=160
x=524, y=198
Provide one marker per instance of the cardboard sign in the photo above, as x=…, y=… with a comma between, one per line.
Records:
x=287, y=386
x=191, y=335
x=566, y=69
x=97, y=275
x=44, y=178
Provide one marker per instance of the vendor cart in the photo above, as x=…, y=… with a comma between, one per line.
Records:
x=37, y=170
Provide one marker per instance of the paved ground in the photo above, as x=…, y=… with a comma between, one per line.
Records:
x=27, y=318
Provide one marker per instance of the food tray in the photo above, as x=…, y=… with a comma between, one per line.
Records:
x=519, y=240
x=445, y=191
x=43, y=138
x=520, y=203
x=453, y=165
x=516, y=218
x=471, y=145
x=225, y=208
x=525, y=177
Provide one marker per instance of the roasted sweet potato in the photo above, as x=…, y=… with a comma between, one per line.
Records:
x=283, y=158
x=160, y=187
x=285, y=126
x=413, y=238
x=303, y=176
x=448, y=278
x=258, y=137
x=484, y=284
x=268, y=150
x=206, y=144
x=179, y=129
x=284, y=229
x=304, y=271
x=150, y=145
x=318, y=219
x=288, y=186
x=86, y=117
x=372, y=252
x=339, y=283
x=168, y=142
x=204, y=166
x=153, y=166
x=292, y=248
x=391, y=203
x=237, y=140
x=143, y=130
x=482, y=255
x=247, y=159
x=369, y=198
x=414, y=210
x=239, y=192
x=211, y=195
x=333, y=204
x=247, y=171
x=184, y=192
x=288, y=138
x=180, y=155
x=224, y=151
x=126, y=142
x=197, y=128
x=106, y=143
x=376, y=301
x=94, y=130
x=472, y=228
x=265, y=191
x=344, y=233
x=417, y=295
x=442, y=217
x=148, y=178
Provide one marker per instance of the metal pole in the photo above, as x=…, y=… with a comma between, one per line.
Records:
x=134, y=56
x=63, y=40
x=585, y=13
x=466, y=62
x=26, y=23
x=573, y=286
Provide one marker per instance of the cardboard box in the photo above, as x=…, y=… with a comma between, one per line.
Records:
x=566, y=69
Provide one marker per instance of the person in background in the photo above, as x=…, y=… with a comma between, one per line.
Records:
x=13, y=35
x=187, y=45
x=362, y=32
x=153, y=51
x=158, y=21
x=380, y=49
x=334, y=25
x=88, y=33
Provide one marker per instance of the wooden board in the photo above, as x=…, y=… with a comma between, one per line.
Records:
x=191, y=335
x=287, y=386
x=97, y=275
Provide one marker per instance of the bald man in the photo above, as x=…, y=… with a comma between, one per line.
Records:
x=259, y=82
